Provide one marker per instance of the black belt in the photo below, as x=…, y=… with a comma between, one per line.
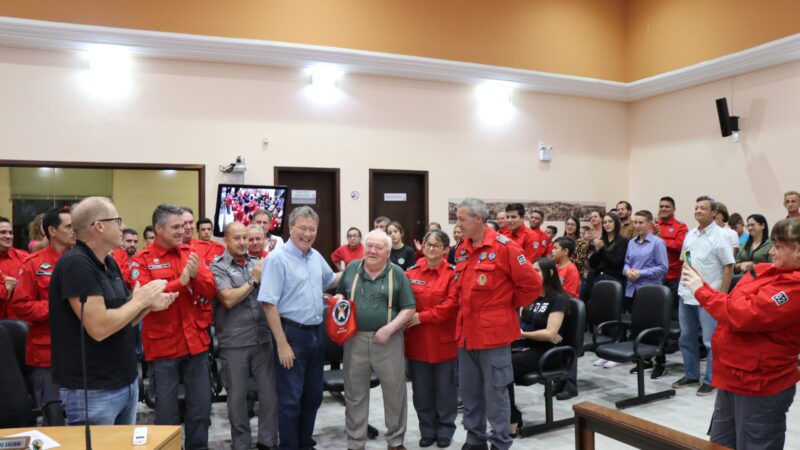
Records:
x=294, y=324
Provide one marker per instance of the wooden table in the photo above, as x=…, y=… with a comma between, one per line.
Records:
x=159, y=437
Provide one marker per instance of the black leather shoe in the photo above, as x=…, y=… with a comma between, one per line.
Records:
x=647, y=365
x=443, y=442
x=426, y=442
x=659, y=370
x=564, y=395
x=474, y=447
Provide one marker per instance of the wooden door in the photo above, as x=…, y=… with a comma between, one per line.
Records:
x=319, y=189
x=400, y=195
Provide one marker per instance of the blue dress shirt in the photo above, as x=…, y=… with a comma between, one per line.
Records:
x=649, y=257
x=295, y=282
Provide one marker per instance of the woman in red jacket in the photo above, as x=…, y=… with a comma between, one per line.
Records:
x=431, y=343
x=756, y=345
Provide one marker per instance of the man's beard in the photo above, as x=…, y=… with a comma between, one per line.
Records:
x=130, y=250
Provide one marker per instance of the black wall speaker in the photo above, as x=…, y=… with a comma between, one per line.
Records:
x=724, y=118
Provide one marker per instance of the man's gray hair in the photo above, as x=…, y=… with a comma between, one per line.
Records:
x=163, y=211
x=380, y=234
x=477, y=207
x=303, y=211
x=705, y=198
x=257, y=228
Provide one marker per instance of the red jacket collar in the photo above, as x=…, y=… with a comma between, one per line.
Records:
x=489, y=236
x=159, y=251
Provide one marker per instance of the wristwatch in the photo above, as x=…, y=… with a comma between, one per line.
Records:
x=253, y=282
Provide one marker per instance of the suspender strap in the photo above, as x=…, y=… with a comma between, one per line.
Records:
x=391, y=289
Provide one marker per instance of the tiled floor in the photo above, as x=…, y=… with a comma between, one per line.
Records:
x=686, y=412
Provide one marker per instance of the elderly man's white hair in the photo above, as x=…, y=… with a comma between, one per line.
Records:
x=380, y=234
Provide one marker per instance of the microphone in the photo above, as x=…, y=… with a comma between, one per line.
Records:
x=88, y=432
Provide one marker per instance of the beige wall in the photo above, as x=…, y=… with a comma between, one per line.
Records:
x=138, y=192
x=676, y=146
x=5, y=192
x=200, y=113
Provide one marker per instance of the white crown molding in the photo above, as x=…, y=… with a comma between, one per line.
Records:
x=15, y=32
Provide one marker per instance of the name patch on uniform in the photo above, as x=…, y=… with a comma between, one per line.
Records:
x=780, y=298
x=522, y=260
x=160, y=266
x=419, y=282
x=44, y=272
x=462, y=259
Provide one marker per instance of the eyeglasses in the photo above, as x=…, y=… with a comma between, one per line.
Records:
x=433, y=246
x=353, y=236
x=113, y=219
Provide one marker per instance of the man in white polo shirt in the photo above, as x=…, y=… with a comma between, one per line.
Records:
x=708, y=250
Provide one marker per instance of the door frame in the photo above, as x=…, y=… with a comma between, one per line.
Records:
x=199, y=168
x=425, y=204
x=336, y=198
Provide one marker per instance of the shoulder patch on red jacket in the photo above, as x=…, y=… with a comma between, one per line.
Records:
x=502, y=239
x=780, y=298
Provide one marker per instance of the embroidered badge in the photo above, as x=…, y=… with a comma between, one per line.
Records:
x=522, y=260
x=401, y=261
x=341, y=312
x=463, y=251
x=535, y=245
x=492, y=256
x=155, y=261
x=134, y=274
x=482, y=257
x=45, y=266
x=780, y=298
x=482, y=280
x=672, y=230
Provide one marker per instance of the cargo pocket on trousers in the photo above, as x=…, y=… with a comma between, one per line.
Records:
x=502, y=373
x=764, y=435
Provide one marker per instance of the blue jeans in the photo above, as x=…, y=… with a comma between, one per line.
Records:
x=299, y=388
x=693, y=318
x=106, y=406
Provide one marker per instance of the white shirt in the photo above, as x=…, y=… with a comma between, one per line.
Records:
x=711, y=251
x=732, y=236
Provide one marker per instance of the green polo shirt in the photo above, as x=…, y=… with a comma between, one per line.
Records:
x=372, y=296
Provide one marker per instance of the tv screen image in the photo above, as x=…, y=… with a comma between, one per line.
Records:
x=237, y=202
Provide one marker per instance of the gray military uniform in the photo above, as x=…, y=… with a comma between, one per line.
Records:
x=245, y=349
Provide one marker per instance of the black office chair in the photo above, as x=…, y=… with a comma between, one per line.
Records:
x=17, y=402
x=555, y=365
x=735, y=280
x=604, y=315
x=333, y=379
x=650, y=324
x=52, y=411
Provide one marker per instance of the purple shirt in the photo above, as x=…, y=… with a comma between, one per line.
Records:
x=649, y=257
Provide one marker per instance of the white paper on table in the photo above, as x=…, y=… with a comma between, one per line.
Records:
x=47, y=441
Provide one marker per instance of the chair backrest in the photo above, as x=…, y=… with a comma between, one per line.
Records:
x=652, y=308
x=605, y=303
x=574, y=325
x=17, y=403
x=18, y=333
